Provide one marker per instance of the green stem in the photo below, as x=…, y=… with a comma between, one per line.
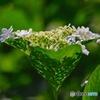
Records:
x=55, y=94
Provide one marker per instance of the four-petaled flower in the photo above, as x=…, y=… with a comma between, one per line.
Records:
x=6, y=34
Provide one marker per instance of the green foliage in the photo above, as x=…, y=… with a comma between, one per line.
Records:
x=20, y=44
x=93, y=84
x=55, y=66
x=13, y=17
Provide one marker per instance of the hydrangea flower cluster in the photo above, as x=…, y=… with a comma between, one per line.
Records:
x=54, y=39
x=82, y=34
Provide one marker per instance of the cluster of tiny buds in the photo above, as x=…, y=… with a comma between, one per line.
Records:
x=54, y=39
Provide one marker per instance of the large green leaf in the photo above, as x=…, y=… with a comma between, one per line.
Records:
x=55, y=66
x=93, y=85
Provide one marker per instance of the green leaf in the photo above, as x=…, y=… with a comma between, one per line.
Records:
x=55, y=66
x=93, y=84
x=20, y=44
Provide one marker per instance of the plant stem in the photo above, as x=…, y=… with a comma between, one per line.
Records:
x=55, y=94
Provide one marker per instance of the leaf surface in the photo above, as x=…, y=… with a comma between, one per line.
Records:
x=93, y=85
x=55, y=66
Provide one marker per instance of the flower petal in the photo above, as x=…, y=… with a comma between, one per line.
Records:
x=6, y=34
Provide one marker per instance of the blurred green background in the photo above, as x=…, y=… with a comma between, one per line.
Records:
x=18, y=80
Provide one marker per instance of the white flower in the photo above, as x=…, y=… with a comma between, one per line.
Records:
x=70, y=39
x=98, y=41
x=82, y=29
x=24, y=33
x=84, y=50
x=6, y=34
x=82, y=34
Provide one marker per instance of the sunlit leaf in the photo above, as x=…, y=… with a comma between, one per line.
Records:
x=93, y=84
x=55, y=66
